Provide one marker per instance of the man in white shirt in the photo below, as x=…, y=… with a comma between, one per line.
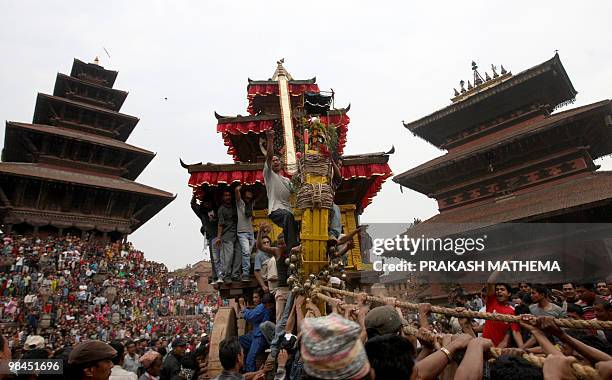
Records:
x=130, y=361
x=117, y=372
x=278, y=189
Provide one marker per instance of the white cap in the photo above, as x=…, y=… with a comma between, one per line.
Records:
x=34, y=342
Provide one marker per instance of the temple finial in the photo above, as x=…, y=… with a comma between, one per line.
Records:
x=477, y=77
x=494, y=69
x=96, y=61
x=479, y=82
x=280, y=70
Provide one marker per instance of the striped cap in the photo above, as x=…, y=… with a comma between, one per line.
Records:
x=331, y=348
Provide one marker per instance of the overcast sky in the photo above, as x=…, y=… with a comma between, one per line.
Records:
x=392, y=61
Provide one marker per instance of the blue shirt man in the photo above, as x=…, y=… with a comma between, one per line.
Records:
x=254, y=342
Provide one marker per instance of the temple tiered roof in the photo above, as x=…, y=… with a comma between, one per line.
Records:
x=546, y=85
x=71, y=168
x=509, y=157
x=587, y=123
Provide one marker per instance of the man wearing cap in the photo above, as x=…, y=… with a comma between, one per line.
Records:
x=172, y=363
x=34, y=342
x=91, y=360
x=335, y=282
x=152, y=363
x=383, y=320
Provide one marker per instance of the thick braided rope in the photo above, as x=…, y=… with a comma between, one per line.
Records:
x=314, y=164
x=581, y=371
x=561, y=322
x=319, y=195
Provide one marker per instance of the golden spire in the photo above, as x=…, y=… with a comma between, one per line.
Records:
x=283, y=77
x=96, y=61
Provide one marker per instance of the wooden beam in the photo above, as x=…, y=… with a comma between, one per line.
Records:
x=4, y=198
x=110, y=204
x=32, y=148
x=141, y=210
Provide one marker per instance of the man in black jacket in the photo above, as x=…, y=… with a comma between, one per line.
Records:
x=172, y=363
x=207, y=215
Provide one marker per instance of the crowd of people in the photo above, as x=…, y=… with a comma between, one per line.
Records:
x=108, y=313
x=288, y=337
x=58, y=292
x=362, y=340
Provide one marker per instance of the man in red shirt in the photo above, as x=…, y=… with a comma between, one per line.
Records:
x=586, y=295
x=497, y=299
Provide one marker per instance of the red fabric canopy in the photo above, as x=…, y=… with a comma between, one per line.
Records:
x=257, y=126
x=228, y=129
x=272, y=89
x=246, y=177
x=379, y=172
x=260, y=126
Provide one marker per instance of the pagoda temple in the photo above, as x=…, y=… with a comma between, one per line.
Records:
x=510, y=157
x=70, y=170
x=279, y=104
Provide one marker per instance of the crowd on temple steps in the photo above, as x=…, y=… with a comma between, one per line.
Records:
x=58, y=293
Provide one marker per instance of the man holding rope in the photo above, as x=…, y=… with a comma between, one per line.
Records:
x=497, y=301
x=438, y=357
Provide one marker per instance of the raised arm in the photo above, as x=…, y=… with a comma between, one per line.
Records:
x=518, y=338
x=471, y=365
x=362, y=299
x=336, y=168
x=591, y=353
x=347, y=248
x=237, y=193
x=349, y=236
x=263, y=230
x=529, y=323
x=491, y=283
x=424, y=312
x=194, y=205
x=299, y=312
x=269, y=146
x=431, y=366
